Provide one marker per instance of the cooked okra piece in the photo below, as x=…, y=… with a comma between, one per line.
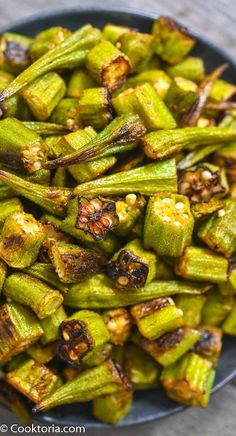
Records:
x=78, y=81
x=216, y=308
x=70, y=53
x=12, y=400
x=132, y=267
x=80, y=336
x=229, y=288
x=47, y=40
x=225, y=157
x=202, y=210
x=180, y=96
x=34, y=380
x=107, y=65
x=141, y=368
x=51, y=225
x=22, y=238
x=49, y=129
x=145, y=102
x=95, y=108
x=101, y=380
x=14, y=52
x=19, y=328
x=14, y=107
x=165, y=143
x=50, y=326
x=42, y=299
x=156, y=317
x=43, y=95
x=97, y=357
x=118, y=323
x=21, y=148
x=222, y=90
x=197, y=155
x=59, y=178
x=201, y=264
x=219, y=231
x=164, y=271
x=203, y=182
x=173, y=41
x=229, y=324
x=98, y=292
x=53, y=199
x=73, y=262
x=168, y=224
x=66, y=113
x=139, y=47
x=209, y=344
x=3, y=274
x=46, y=273
x=87, y=171
x=189, y=380
x=41, y=354
x=112, y=408
x=146, y=180
x=113, y=32
x=129, y=209
x=9, y=206
x=157, y=78
x=191, y=68
x=191, y=306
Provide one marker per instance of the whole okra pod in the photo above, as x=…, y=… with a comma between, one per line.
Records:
x=118, y=323
x=210, y=343
x=141, y=368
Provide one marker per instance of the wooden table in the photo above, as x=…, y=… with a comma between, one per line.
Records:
x=216, y=20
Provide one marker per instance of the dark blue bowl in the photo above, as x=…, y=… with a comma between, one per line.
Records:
x=151, y=404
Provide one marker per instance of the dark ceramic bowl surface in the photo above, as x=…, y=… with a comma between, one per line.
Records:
x=151, y=404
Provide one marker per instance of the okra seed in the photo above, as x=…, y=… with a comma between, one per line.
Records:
x=166, y=200
x=179, y=205
x=166, y=218
x=123, y=281
x=177, y=223
x=131, y=199
x=66, y=336
x=206, y=175
x=221, y=213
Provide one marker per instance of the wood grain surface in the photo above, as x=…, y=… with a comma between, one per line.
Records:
x=216, y=20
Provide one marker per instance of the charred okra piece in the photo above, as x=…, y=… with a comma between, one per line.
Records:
x=118, y=323
x=46, y=273
x=132, y=267
x=203, y=182
x=219, y=231
x=78, y=81
x=141, y=368
x=41, y=354
x=47, y=40
x=108, y=65
x=229, y=324
x=14, y=52
x=34, y=380
x=165, y=143
x=53, y=199
x=129, y=210
x=191, y=306
x=50, y=326
x=209, y=344
x=95, y=108
x=70, y=53
x=42, y=299
x=139, y=47
x=191, y=68
x=8, y=207
x=216, y=308
x=168, y=224
x=146, y=180
x=189, y=380
x=202, y=210
x=40, y=101
x=22, y=238
x=156, y=317
x=51, y=225
x=80, y=336
x=181, y=94
x=21, y=148
x=112, y=408
x=10, y=398
x=19, y=329
x=101, y=380
x=98, y=292
x=201, y=264
x=66, y=113
x=173, y=40
x=73, y=263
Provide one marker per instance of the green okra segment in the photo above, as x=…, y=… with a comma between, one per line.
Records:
x=51, y=225
x=66, y=113
x=81, y=335
x=47, y=40
x=203, y=182
x=112, y=32
x=216, y=308
x=132, y=267
x=9, y=206
x=168, y=224
x=225, y=157
x=14, y=52
x=48, y=129
x=42, y=299
x=173, y=40
x=189, y=380
x=222, y=91
x=53, y=199
x=201, y=264
x=70, y=53
x=156, y=317
x=156, y=77
x=210, y=343
x=98, y=292
x=163, y=144
x=180, y=96
x=229, y=324
x=20, y=148
x=101, y=380
x=129, y=210
x=3, y=274
x=118, y=323
x=191, y=306
x=22, y=238
x=108, y=65
x=218, y=232
x=190, y=68
x=139, y=47
x=78, y=81
x=145, y=102
x=112, y=408
x=146, y=180
x=34, y=380
x=50, y=326
x=19, y=329
x=87, y=171
x=141, y=368
x=41, y=354
x=73, y=263
x=95, y=108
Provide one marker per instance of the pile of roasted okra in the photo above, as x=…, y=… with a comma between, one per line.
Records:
x=118, y=217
